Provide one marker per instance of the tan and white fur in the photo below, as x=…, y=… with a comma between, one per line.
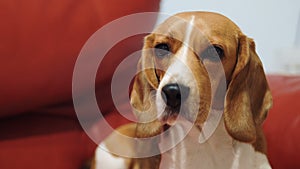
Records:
x=227, y=102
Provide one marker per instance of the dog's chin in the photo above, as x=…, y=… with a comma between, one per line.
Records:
x=171, y=117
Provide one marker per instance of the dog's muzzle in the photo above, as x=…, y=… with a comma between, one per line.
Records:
x=174, y=94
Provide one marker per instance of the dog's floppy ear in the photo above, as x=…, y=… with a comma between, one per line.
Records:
x=145, y=80
x=142, y=100
x=248, y=96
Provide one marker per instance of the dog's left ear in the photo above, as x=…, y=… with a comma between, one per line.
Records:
x=248, y=96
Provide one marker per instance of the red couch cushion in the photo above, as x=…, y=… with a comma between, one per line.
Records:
x=40, y=42
x=283, y=122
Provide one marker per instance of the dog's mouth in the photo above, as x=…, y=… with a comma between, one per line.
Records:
x=171, y=118
x=175, y=123
x=171, y=115
x=166, y=127
x=168, y=119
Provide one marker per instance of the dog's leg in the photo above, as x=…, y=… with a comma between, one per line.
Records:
x=116, y=150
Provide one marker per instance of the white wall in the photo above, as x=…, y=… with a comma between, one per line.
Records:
x=272, y=24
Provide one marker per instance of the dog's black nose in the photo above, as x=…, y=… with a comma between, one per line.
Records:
x=174, y=94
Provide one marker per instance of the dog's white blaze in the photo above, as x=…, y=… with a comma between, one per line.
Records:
x=179, y=67
x=183, y=53
x=179, y=72
x=187, y=38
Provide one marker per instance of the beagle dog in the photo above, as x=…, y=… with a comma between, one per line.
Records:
x=200, y=96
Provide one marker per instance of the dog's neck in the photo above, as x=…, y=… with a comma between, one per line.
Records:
x=220, y=150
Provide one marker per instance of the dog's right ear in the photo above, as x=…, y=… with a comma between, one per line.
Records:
x=146, y=79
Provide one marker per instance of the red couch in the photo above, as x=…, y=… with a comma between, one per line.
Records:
x=283, y=122
x=40, y=42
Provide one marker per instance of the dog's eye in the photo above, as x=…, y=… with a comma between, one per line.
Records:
x=213, y=53
x=162, y=50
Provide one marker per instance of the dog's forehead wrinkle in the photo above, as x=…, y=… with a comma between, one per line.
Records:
x=170, y=27
x=176, y=27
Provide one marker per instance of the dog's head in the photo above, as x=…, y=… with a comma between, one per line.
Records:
x=198, y=61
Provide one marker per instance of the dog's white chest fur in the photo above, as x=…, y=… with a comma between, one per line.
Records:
x=220, y=151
